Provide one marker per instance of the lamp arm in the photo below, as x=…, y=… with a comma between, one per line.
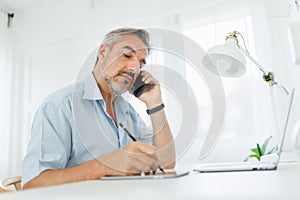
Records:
x=246, y=53
x=268, y=76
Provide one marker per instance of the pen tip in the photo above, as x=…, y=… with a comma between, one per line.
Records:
x=161, y=169
x=121, y=125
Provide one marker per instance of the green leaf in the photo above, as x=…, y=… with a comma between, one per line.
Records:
x=246, y=159
x=254, y=150
x=264, y=146
x=274, y=149
x=255, y=156
x=259, y=150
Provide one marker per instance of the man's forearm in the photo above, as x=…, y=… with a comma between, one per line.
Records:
x=163, y=139
x=90, y=170
x=132, y=159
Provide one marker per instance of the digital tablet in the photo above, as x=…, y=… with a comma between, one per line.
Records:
x=159, y=175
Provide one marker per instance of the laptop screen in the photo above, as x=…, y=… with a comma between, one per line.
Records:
x=279, y=148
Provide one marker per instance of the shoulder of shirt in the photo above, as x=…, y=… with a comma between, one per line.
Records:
x=63, y=95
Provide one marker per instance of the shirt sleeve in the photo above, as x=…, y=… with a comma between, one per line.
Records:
x=144, y=131
x=50, y=142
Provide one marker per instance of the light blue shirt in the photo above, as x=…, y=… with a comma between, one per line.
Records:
x=72, y=126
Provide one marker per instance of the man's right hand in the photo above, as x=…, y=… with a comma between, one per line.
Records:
x=135, y=158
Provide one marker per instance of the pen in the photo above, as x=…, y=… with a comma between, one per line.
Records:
x=133, y=138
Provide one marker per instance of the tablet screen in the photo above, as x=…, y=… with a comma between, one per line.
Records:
x=158, y=175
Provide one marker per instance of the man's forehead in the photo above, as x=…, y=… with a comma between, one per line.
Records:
x=131, y=42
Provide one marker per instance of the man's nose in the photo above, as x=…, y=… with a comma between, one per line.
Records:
x=133, y=66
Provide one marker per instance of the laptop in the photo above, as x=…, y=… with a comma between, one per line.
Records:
x=250, y=166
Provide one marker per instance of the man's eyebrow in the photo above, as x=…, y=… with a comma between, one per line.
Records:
x=129, y=48
x=132, y=50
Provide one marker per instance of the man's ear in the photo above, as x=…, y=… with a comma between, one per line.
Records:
x=103, y=50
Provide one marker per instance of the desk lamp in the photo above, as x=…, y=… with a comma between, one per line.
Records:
x=229, y=60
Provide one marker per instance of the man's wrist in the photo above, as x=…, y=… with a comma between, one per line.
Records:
x=155, y=109
x=153, y=104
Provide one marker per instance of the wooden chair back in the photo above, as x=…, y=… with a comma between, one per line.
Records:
x=12, y=181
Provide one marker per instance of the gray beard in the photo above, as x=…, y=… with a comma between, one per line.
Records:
x=115, y=88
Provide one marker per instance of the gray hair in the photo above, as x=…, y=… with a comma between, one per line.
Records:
x=116, y=35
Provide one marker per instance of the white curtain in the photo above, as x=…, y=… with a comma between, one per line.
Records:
x=248, y=104
x=5, y=95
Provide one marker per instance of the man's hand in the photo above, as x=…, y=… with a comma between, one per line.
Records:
x=162, y=136
x=135, y=158
x=151, y=96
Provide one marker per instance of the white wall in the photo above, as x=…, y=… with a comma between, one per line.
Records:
x=5, y=73
x=275, y=51
x=51, y=41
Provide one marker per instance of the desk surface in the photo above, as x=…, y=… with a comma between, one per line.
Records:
x=283, y=183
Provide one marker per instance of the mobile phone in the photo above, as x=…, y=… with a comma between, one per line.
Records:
x=138, y=86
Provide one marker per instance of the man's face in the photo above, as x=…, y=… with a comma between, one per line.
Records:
x=121, y=65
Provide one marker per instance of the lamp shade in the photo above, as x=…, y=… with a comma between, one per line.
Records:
x=226, y=60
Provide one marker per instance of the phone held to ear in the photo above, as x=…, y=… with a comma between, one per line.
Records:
x=138, y=86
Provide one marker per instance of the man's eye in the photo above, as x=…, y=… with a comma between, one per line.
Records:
x=126, y=55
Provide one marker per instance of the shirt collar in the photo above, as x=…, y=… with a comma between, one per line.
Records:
x=91, y=90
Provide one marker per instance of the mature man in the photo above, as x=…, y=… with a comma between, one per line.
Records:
x=76, y=133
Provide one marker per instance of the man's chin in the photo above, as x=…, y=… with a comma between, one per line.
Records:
x=124, y=87
x=119, y=91
x=118, y=87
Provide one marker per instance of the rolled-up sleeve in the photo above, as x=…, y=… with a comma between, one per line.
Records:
x=143, y=132
x=50, y=142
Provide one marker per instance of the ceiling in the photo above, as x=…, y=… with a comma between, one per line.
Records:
x=27, y=5
x=21, y=5
x=24, y=5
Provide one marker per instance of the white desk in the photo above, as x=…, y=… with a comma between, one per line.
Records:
x=283, y=183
